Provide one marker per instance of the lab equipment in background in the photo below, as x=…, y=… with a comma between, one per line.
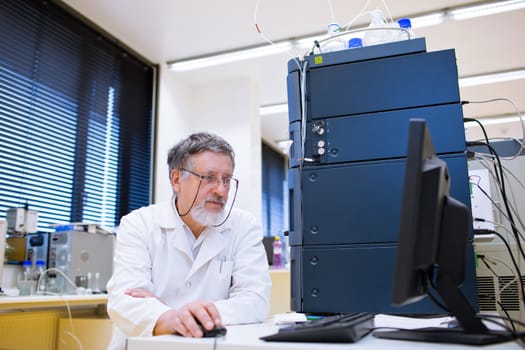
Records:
x=3, y=232
x=379, y=31
x=22, y=221
x=95, y=284
x=77, y=253
x=31, y=247
x=39, y=276
x=277, y=260
x=347, y=154
x=26, y=282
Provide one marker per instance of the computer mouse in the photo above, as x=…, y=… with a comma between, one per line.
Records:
x=217, y=331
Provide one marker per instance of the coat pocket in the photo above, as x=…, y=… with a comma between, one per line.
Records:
x=220, y=272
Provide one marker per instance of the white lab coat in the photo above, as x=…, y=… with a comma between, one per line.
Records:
x=153, y=253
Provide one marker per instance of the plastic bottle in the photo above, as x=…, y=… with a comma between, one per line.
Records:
x=277, y=260
x=39, y=280
x=28, y=270
x=96, y=284
x=406, y=24
x=333, y=43
x=52, y=285
x=26, y=283
x=377, y=36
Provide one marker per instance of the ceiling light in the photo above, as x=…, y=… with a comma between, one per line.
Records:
x=492, y=78
x=499, y=120
x=273, y=109
x=227, y=57
x=428, y=20
x=486, y=9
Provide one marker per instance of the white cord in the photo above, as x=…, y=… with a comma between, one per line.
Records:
x=388, y=12
x=331, y=8
x=303, y=110
x=268, y=40
x=501, y=289
x=72, y=332
x=361, y=13
x=512, y=204
x=496, y=205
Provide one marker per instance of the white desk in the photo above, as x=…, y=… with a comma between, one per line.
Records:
x=244, y=337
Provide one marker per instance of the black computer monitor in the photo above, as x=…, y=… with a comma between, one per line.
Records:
x=432, y=246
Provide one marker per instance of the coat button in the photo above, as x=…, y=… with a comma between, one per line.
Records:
x=188, y=284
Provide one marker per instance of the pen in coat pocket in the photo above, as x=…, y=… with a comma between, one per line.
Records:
x=223, y=259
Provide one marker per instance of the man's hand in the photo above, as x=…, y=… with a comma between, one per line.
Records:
x=184, y=320
x=141, y=293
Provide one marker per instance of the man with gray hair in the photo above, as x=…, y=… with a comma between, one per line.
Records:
x=192, y=261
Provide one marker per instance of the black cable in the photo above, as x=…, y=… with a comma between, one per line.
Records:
x=483, y=220
x=507, y=314
x=504, y=318
x=436, y=301
x=428, y=278
x=518, y=271
x=483, y=260
x=488, y=142
x=487, y=265
x=504, y=195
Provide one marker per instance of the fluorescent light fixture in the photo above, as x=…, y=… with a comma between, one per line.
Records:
x=492, y=78
x=273, y=109
x=428, y=20
x=499, y=120
x=227, y=57
x=493, y=8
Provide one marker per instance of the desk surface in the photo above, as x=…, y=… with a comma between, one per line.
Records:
x=34, y=301
x=247, y=337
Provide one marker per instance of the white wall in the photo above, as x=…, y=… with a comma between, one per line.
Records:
x=227, y=108
x=174, y=109
x=500, y=130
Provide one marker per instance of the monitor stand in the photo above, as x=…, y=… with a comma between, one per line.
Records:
x=447, y=335
x=471, y=329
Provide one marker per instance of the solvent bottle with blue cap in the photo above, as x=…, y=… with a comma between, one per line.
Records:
x=406, y=24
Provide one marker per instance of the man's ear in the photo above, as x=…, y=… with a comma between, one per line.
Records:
x=175, y=177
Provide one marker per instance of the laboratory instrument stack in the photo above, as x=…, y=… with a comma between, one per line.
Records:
x=348, y=119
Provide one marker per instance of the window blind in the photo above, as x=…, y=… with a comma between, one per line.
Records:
x=76, y=118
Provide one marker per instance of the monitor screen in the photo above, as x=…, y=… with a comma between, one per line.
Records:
x=432, y=246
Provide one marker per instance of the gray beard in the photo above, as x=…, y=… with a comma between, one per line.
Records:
x=205, y=217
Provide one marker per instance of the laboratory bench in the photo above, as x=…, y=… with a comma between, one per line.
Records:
x=42, y=322
x=47, y=322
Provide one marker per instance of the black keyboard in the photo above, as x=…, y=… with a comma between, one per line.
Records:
x=347, y=328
